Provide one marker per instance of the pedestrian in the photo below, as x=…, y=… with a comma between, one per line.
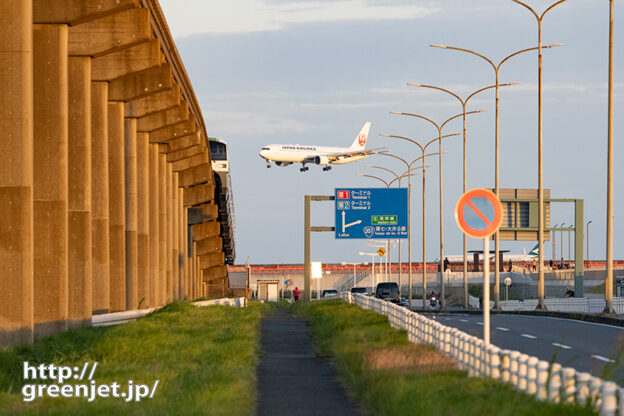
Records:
x=510, y=266
x=534, y=264
x=551, y=264
x=296, y=294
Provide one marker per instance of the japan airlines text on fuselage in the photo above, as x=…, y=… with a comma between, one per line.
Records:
x=286, y=154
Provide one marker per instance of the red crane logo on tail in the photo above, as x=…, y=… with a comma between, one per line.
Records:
x=362, y=139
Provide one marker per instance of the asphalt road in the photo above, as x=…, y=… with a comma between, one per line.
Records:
x=585, y=346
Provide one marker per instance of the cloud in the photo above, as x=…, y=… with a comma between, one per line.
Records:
x=191, y=17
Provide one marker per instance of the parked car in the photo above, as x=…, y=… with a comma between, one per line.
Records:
x=329, y=293
x=360, y=290
x=388, y=291
x=404, y=303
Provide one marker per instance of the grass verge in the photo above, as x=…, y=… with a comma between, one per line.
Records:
x=390, y=376
x=204, y=359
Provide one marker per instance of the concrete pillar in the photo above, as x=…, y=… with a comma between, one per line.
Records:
x=143, y=214
x=130, y=175
x=116, y=207
x=162, y=228
x=154, y=224
x=50, y=178
x=175, y=237
x=100, y=233
x=16, y=173
x=169, y=227
x=183, y=246
x=79, y=203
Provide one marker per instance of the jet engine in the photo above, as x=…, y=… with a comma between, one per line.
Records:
x=321, y=160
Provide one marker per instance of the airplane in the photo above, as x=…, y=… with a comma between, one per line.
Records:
x=286, y=154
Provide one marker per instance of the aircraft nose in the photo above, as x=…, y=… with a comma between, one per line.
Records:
x=262, y=153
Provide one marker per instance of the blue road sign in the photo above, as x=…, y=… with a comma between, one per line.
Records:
x=371, y=213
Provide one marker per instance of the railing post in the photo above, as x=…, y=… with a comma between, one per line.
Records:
x=522, y=372
x=514, y=368
x=568, y=385
x=554, y=383
x=582, y=387
x=542, y=380
x=609, y=399
x=532, y=375
x=595, y=392
x=495, y=362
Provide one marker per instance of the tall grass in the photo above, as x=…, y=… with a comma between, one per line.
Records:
x=408, y=379
x=205, y=359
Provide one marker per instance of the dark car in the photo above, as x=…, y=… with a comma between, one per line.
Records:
x=388, y=291
x=360, y=290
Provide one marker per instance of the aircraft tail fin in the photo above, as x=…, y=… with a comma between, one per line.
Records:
x=535, y=251
x=360, y=141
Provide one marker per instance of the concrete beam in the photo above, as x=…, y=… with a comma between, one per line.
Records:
x=110, y=33
x=140, y=84
x=214, y=273
x=191, y=162
x=16, y=176
x=170, y=238
x=164, y=118
x=100, y=232
x=153, y=103
x=185, y=153
x=209, y=211
x=162, y=229
x=74, y=12
x=50, y=187
x=196, y=175
x=207, y=261
x=185, y=142
x=173, y=131
x=198, y=194
x=79, y=203
x=205, y=230
x=208, y=245
x=116, y=189
x=125, y=61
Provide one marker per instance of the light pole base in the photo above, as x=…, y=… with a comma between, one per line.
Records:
x=608, y=310
x=541, y=307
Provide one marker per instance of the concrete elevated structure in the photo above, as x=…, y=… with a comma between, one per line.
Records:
x=103, y=151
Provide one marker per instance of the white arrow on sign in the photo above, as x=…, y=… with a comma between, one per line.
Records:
x=345, y=226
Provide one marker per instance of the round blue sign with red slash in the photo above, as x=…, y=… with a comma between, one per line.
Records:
x=478, y=213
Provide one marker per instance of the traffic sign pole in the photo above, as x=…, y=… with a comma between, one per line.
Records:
x=479, y=214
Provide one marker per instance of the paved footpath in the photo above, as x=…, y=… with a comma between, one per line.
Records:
x=291, y=379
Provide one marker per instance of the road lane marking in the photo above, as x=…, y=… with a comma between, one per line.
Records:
x=464, y=320
x=601, y=358
x=528, y=336
x=480, y=323
x=502, y=329
x=565, y=347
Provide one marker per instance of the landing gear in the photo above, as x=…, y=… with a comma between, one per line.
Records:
x=268, y=164
x=303, y=168
x=327, y=168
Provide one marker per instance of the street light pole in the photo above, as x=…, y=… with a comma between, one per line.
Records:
x=561, y=241
x=540, y=169
x=496, y=68
x=587, y=233
x=609, y=278
x=439, y=127
x=464, y=104
x=373, y=266
x=554, y=243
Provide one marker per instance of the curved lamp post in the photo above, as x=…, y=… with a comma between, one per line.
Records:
x=496, y=68
x=464, y=104
x=409, y=210
x=439, y=127
x=540, y=168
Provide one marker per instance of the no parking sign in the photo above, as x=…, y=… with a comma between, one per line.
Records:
x=478, y=213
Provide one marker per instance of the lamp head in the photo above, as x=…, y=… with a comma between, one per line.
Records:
x=438, y=46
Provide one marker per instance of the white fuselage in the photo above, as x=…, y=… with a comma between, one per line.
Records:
x=298, y=153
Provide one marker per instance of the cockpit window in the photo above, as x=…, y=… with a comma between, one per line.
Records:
x=265, y=148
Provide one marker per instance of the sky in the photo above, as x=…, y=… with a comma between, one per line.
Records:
x=313, y=72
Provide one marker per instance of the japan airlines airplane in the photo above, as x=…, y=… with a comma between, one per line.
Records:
x=286, y=154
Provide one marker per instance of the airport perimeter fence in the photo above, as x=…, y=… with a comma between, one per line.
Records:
x=573, y=305
x=526, y=373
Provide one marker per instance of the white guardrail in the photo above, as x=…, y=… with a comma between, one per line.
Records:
x=117, y=318
x=580, y=305
x=527, y=373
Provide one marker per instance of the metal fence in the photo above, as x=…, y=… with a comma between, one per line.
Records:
x=579, y=305
x=527, y=373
